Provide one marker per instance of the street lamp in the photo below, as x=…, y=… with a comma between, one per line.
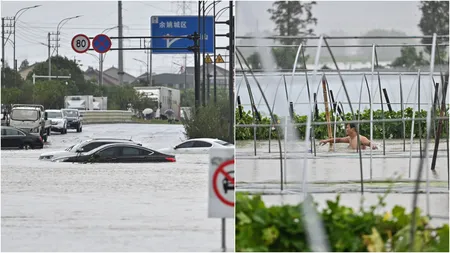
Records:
x=58, y=27
x=146, y=63
x=15, y=18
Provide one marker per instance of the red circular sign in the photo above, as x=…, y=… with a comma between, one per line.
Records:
x=101, y=43
x=81, y=43
x=221, y=170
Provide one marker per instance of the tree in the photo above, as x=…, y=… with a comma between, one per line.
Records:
x=254, y=61
x=11, y=77
x=24, y=65
x=409, y=58
x=292, y=18
x=435, y=20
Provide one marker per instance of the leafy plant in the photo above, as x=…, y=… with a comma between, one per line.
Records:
x=281, y=228
x=393, y=130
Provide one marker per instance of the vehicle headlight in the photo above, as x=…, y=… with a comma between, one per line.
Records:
x=34, y=130
x=57, y=160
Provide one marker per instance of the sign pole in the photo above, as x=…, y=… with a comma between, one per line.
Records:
x=224, y=242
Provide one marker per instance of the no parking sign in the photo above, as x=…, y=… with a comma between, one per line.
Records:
x=221, y=183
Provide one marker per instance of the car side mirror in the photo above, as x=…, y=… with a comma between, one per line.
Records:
x=45, y=115
x=175, y=147
x=80, y=150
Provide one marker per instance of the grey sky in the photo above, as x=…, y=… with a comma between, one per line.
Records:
x=32, y=28
x=353, y=17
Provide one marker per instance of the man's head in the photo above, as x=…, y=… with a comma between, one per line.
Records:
x=351, y=129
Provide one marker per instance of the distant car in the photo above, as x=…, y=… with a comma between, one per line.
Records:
x=15, y=138
x=84, y=146
x=59, y=122
x=196, y=146
x=74, y=119
x=118, y=153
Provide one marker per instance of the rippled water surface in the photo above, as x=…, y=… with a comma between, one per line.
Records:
x=108, y=207
x=335, y=172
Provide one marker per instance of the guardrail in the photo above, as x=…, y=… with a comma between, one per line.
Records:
x=106, y=116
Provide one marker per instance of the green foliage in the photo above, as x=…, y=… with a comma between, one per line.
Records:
x=50, y=93
x=188, y=96
x=210, y=121
x=12, y=79
x=435, y=20
x=282, y=228
x=393, y=130
x=409, y=58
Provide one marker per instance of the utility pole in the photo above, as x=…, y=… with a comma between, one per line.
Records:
x=10, y=31
x=50, y=39
x=3, y=50
x=120, y=73
x=49, y=57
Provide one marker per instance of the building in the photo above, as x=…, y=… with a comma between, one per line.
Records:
x=110, y=76
x=185, y=79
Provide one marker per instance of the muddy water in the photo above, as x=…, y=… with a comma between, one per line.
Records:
x=103, y=207
x=335, y=172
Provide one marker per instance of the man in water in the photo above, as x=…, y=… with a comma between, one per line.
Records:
x=352, y=138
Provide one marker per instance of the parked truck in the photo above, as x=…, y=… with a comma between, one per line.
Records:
x=167, y=99
x=100, y=103
x=30, y=118
x=81, y=102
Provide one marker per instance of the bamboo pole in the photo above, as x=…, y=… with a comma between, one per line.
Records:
x=327, y=112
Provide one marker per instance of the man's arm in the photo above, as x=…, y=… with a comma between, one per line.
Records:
x=337, y=140
x=366, y=142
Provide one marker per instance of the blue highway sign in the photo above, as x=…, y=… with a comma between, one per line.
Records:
x=101, y=43
x=180, y=26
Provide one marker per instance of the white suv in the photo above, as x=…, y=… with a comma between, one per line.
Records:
x=59, y=121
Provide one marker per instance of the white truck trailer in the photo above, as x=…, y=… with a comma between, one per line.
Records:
x=81, y=102
x=167, y=98
x=100, y=103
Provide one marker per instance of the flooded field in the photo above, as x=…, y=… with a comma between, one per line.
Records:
x=108, y=207
x=330, y=173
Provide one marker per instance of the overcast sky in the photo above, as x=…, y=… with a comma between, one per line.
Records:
x=353, y=17
x=32, y=28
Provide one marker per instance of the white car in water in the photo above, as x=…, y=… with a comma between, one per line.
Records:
x=196, y=146
x=59, y=121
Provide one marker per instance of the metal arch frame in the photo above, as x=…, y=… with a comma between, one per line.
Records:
x=431, y=73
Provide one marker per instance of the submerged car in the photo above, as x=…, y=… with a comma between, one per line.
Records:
x=196, y=146
x=118, y=153
x=74, y=119
x=15, y=138
x=84, y=146
x=59, y=122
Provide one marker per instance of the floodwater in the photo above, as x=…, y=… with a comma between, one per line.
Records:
x=335, y=172
x=108, y=207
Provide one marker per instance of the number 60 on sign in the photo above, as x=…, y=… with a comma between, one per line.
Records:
x=81, y=43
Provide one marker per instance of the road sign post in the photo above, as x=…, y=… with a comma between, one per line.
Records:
x=180, y=26
x=221, y=186
x=80, y=43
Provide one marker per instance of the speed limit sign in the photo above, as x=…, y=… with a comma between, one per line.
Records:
x=81, y=43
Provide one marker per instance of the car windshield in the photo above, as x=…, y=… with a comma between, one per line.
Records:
x=70, y=113
x=223, y=143
x=54, y=115
x=24, y=114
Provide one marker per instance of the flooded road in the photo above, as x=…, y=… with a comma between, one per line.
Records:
x=330, y=173
x=108, y=207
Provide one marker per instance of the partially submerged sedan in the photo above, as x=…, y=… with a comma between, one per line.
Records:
x=118, y=153
x=84, y=146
